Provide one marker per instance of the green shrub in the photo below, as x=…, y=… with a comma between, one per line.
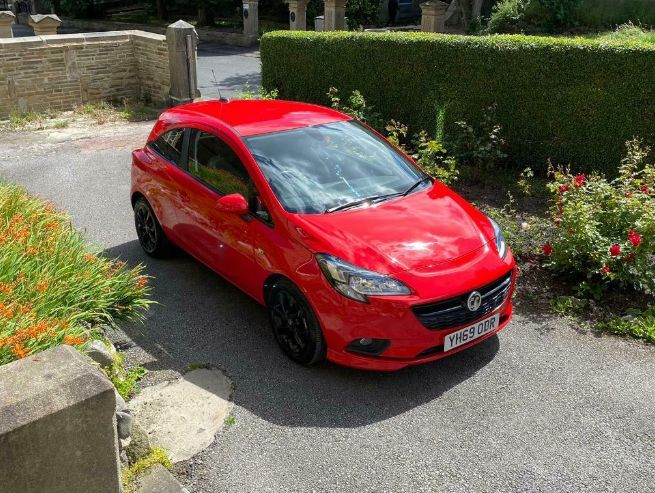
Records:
x=567, y=99
x=362, y=13
x=507, y=16
x=356, y=107
x=605, y=230
x=481, y=146
x=636, y=323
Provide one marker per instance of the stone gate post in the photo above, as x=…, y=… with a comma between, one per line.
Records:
x=433, y=16
x=251, y=19
x=182, y=41
x=6, y=20
x=298, y=15
x=335, y=15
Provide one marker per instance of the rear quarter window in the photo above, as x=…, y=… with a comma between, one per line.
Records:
x=169, y=145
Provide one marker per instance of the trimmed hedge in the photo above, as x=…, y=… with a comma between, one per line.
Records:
x=568, y=99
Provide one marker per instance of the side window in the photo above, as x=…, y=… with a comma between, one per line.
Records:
x=169, y=145
x=212, y=161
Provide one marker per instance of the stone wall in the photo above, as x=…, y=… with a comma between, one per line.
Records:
x=60, y=72
x=57, y=428
x=233, y=38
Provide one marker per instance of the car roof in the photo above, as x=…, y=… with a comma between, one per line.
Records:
x=253, y=116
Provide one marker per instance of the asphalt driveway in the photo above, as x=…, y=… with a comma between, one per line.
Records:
x=543, y=407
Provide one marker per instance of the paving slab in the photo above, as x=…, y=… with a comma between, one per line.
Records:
x=183, y=416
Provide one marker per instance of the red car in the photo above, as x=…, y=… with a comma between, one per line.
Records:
x=358, y=255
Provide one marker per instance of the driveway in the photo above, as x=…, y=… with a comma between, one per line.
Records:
x=234, y=69
x=544, y=407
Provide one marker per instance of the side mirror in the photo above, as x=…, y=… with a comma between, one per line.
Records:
x=234, y=203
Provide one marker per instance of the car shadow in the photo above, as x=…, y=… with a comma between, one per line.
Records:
x=201, y=318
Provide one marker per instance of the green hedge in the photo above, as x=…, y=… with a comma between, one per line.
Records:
x=569, y=99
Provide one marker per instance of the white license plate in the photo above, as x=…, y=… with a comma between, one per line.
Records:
x=470, y=333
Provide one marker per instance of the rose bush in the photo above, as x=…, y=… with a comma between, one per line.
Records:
x=605, y=229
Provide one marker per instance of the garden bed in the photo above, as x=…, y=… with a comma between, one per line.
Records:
x=55, y=288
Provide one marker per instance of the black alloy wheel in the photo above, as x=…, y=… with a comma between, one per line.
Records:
x=151, y=236
x=295, y=326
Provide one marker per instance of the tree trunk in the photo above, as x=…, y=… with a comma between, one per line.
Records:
x=205, y=16
x=162, y=11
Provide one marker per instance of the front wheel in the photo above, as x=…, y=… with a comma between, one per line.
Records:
x=295, y=326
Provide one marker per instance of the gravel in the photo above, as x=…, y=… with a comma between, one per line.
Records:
x=543, y=407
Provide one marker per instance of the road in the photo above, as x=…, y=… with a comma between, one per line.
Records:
x=544, y=407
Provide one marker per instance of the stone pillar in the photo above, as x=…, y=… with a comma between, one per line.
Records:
x=335, y=15
x=57, y=425
x=251, y=19
x=44, y=25
x=298, y=15
x=433, y=16
x=182, y=41
x=6, y=20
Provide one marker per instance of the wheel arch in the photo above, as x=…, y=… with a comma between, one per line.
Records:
x=269, y=282
x=136, y=196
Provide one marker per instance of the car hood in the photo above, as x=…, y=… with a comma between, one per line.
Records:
x=418, y=232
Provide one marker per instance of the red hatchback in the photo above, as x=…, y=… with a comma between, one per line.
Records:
x=358, y=255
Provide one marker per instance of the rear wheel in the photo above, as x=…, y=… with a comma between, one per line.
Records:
x=294, y=323
x=151, y=236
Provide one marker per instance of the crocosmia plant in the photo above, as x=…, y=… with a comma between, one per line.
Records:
x=605, y=229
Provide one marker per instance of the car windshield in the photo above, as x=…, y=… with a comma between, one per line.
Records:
x=334, y=166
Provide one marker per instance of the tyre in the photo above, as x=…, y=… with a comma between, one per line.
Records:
x=151, y=236
x=295, y=326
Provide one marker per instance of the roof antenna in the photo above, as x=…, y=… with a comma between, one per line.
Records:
x=220, y=97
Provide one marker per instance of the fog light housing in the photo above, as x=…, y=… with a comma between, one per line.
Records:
x=368, y=346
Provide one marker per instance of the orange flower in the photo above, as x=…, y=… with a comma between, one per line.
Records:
x=90, y=258
x=17, y=219
x=19, y=351
x=21, y=233
x=6, y=311
x=32, y=251
x=73, y=340
x=6, y=288
x=142, y=282
x=42, y=286
x=49, y=207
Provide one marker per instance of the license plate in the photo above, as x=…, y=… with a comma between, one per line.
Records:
x=470, y=333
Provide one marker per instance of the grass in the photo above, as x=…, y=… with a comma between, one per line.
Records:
x=103, y=111
x=54, y=287
x=129, y=474
x=568, y=306
x=230, y=421
x=99, y=112
x=638, y=324
x=124, y=379
x=629, y=32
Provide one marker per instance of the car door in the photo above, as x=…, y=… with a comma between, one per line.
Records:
x=226, y=242
x=164, y=157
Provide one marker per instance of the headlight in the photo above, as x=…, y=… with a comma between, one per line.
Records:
x=500, y=239
x=356, y=283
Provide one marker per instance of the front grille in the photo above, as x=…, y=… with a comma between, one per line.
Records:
x=453, y=311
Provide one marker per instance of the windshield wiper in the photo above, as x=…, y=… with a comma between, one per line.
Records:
x=355, y=203
x=410, y=189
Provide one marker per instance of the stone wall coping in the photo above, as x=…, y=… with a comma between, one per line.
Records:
x=46, y=383
x=46, y=19
x=81, y=38
x=7, y=13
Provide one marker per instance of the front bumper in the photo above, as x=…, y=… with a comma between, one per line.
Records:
x=391, y=318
